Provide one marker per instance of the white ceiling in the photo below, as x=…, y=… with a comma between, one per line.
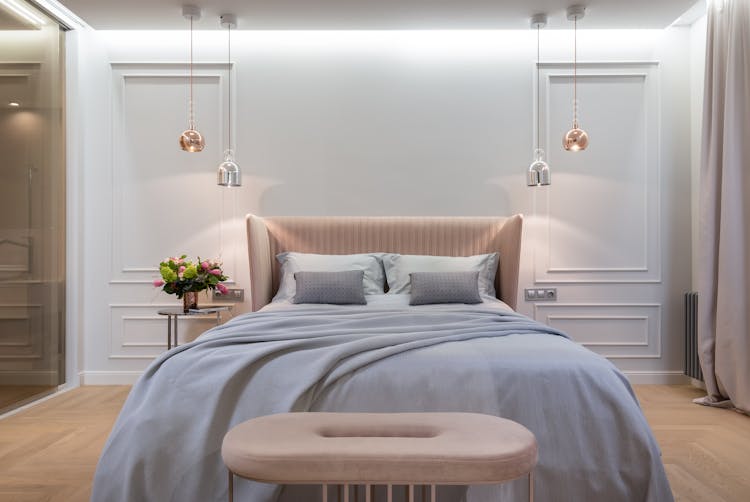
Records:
x=375, y=14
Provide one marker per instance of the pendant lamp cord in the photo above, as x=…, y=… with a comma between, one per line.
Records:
x=191, y=113
x=538, y=103
x=575, y=72
x=229, y=85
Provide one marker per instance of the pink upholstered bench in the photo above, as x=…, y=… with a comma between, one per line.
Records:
x=380, y=449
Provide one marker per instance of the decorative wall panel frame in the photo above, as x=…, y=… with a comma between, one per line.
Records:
x=648, y=316
x=151, y=326
x=122, y=72
x=650, y=271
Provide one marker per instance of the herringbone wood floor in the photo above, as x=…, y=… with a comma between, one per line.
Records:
x=49, y=452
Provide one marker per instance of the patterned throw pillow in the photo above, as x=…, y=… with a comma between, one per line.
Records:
x=338, y=288
x=444, y=287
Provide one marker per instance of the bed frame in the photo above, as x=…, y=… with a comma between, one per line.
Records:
x=446, y=236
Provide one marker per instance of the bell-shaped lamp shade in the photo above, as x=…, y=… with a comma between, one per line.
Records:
x=192, y=141
x=576, y=139
x=538, y=173
x=228, y=173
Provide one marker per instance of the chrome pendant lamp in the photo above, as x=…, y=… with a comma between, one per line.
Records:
x=576, y=138
x=190, y=139
x=228, y=174
x=538, y=173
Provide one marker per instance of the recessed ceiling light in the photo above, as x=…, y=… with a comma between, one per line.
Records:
x=14, y=104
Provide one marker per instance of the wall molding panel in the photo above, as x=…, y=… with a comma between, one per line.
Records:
x=613, y=330
x=143, y=217
x=138, y=332
x=603, y=207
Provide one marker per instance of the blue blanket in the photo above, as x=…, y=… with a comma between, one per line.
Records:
x=594, y=442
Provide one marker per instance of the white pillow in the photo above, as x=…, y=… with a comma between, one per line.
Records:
x=399, y=266
x=291, y=262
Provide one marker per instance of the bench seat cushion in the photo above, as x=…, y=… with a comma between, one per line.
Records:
x=380, y=448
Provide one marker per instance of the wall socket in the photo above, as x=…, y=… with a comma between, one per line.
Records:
x=233, y=295
x=540, y=294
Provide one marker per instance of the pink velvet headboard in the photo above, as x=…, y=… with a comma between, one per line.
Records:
x=445, y=236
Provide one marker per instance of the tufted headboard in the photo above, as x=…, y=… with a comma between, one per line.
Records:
x=446, y=236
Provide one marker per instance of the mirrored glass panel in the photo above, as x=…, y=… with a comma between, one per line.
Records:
x=32, y=204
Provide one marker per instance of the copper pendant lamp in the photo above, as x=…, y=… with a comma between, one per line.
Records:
x=575, y=139
x=228, y=173
x=538, y=173
x=190, y=139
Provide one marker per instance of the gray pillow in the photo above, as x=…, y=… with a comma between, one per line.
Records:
x=444, y=287
x=339, y=288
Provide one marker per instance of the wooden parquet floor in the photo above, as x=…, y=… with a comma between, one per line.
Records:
x=706, y=451
x=49, y=452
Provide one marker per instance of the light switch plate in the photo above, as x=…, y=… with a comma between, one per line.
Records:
x=233, y=295
x=540, y=294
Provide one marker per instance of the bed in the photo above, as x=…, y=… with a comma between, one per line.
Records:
x=385, y=356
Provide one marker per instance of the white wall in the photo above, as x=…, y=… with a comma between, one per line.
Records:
x=393, y=123
x=697, y=73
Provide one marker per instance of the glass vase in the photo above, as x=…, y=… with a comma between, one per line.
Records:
x=189, y=301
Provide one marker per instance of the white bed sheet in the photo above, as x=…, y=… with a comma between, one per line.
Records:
x=390, y=301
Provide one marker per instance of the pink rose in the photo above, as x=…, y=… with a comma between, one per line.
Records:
x=215, y=271
x=204, y=265
x=181, y=269
x=158, y=283
x=222, y=289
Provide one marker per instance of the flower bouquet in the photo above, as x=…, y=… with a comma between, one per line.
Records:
x=185, y=279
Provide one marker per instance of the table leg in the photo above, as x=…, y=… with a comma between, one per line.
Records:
x=169, y=332
x=325, y=493
x=231, y=486
x=531, y=486
x=175, y=330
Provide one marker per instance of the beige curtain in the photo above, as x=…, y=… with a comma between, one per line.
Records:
x=724, y=281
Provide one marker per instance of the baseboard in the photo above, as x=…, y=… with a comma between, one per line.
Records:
x=109, y=377
x=657, y=377
x=32, y=377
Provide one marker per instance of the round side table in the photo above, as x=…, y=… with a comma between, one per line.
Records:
x=175, y=313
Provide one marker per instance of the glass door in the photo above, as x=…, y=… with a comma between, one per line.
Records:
x=32, y=204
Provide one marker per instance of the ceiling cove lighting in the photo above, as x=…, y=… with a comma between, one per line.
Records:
x=23, y=12
x=61, y=14
x=538, y=174
x=576, y=139
x=228, y=173
x=191, y=140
